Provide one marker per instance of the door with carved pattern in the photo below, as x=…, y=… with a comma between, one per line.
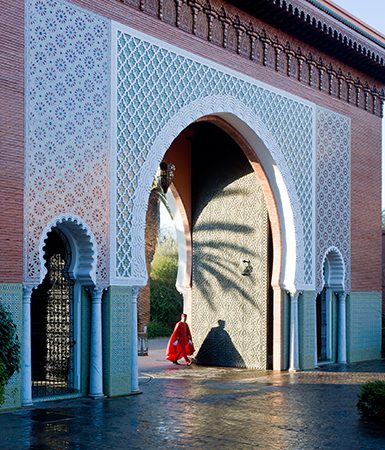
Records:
x=232, y=297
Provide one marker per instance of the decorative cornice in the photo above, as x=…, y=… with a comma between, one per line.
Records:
x=217, y=24
x=347, y=22
x=325, y=29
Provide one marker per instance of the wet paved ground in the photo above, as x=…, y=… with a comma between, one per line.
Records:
x=207, y=408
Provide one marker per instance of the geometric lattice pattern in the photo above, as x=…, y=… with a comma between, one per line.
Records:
x=229, y=311
x=333, y=189
x=67, y=142
x=117, y=317
x=154, y=83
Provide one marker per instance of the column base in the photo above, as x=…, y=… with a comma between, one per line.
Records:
x=97, y=396
x=135, y=392
x=26, y=404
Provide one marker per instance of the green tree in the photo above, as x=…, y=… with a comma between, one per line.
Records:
x=9, y=349
x=371, y=401
x=383, y=218
x=166, y=301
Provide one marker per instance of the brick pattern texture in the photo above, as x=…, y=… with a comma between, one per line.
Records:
x=11, y=140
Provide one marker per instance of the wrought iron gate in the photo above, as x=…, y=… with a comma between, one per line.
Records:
x=321, y=326
x=52, y=325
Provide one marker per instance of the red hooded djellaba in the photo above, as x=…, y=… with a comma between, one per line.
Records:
x=180, y=344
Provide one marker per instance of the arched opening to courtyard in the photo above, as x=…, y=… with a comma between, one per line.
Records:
x=223, y=208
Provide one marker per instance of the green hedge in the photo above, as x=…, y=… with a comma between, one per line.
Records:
x=371, y=401
x=9, y=349
x=157, y=329
x=166, y=301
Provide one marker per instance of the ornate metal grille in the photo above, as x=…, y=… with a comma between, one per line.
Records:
x=321, y=326
x=52, y=325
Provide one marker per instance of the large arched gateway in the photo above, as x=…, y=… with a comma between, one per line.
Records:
x=273, y=133
x=227, y=270
x=274, y=204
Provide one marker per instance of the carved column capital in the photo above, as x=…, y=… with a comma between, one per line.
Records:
x=195, y=8
x=311, y=64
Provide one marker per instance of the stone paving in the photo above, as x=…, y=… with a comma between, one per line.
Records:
x=208, y=408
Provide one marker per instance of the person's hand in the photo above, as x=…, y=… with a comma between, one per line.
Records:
x=175, y=343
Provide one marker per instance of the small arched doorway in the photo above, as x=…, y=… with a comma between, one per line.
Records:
x=327, y=319
x=60, y=310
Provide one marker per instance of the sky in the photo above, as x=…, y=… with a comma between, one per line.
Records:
x=371, y=12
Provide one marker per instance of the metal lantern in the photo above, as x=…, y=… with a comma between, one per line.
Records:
x=165, y=175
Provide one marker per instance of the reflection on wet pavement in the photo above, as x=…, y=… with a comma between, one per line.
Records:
x=208, y=408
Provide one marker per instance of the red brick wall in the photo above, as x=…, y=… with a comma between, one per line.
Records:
x=366, y=203
x=383, y=271
x=11, y=139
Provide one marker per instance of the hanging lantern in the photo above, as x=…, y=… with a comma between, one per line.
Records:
x=165, y=175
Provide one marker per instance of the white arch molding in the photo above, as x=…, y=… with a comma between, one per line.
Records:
x=250, y=126
x=183, y=279
x=83, y=248
x=334, y=276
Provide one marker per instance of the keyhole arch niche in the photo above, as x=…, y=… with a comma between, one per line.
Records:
x=68, y=256
x=268, y=164
x=327, y=320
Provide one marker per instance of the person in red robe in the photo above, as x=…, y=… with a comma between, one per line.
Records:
x=180, y=344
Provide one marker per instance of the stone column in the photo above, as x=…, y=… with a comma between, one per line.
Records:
x=134, y=338
x=328, y=305
x=341, y=347
x=294, y=345
x=26, y=369
x=315, y=332
x=96, y=358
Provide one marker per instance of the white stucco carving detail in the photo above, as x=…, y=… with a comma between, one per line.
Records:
x=333, y=270
x=83, y=247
